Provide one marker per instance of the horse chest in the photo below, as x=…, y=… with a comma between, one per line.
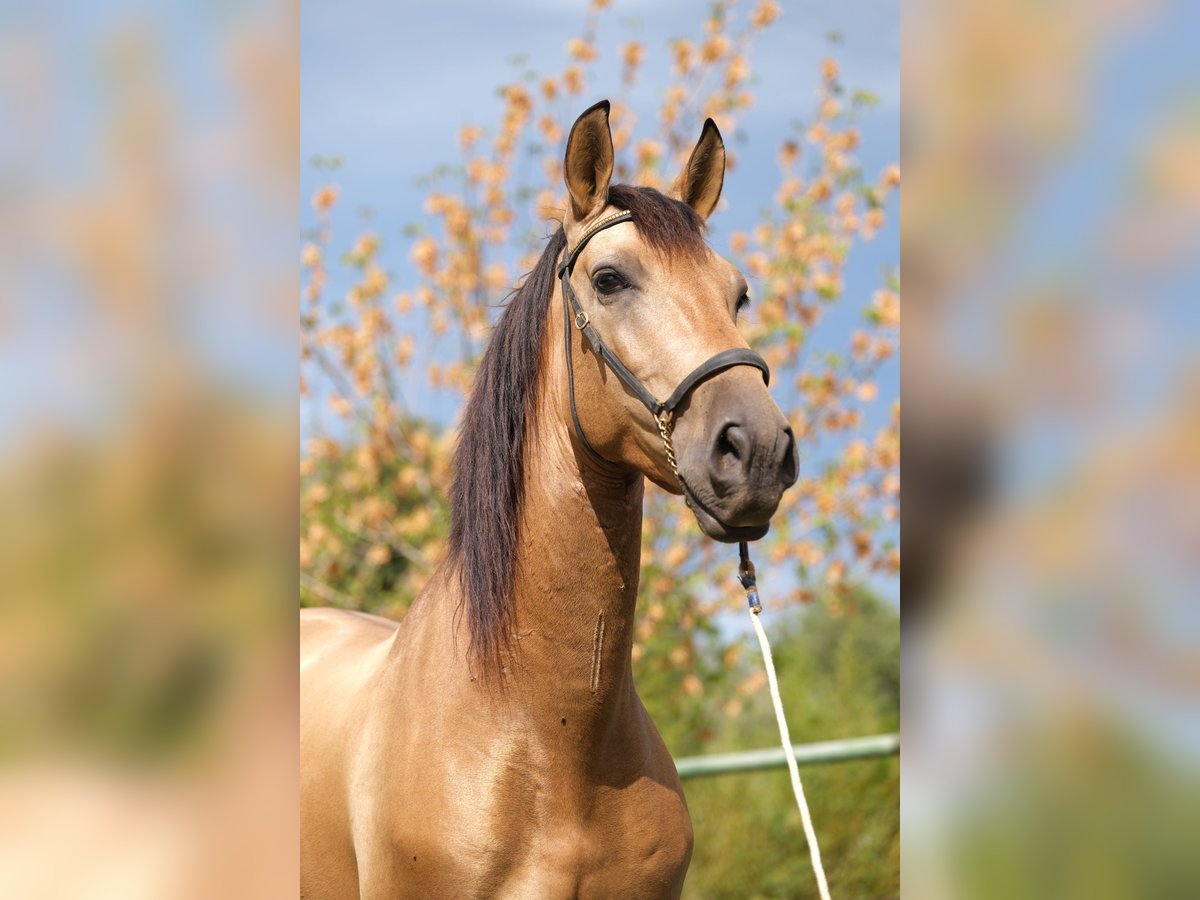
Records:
x=639, y=848
x=515, y=834
x=634, y=842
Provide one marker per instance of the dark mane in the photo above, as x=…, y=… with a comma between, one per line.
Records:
x=489, y=463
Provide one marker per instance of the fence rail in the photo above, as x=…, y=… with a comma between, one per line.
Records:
x=805, y=754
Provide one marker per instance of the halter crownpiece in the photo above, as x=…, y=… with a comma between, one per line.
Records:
x=663, y=411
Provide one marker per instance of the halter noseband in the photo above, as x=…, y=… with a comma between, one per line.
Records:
x=664, y=411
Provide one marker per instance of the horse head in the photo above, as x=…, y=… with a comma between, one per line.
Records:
x=661, y=380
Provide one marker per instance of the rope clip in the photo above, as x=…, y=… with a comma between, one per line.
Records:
x=747, y=579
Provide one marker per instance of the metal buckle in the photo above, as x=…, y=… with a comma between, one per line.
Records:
x=581, y=320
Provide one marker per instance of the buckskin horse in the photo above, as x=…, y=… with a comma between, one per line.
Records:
x=492, y=744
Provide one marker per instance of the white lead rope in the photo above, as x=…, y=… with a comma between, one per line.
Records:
x=797, y=788
x=747, y=578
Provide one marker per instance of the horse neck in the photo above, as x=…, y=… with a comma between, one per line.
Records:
x=576, y=584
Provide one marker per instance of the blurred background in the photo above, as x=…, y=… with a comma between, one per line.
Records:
x=432, y=174
x=1051, y=229
x=148, y=232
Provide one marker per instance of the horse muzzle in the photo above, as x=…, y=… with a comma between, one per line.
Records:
x=735, y=470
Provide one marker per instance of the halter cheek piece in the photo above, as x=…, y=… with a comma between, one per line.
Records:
x=663, y=412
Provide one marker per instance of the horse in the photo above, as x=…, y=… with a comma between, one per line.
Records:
x=492, y=744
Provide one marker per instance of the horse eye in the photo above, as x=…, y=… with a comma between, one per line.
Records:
x=607, y=281
x=743, y=302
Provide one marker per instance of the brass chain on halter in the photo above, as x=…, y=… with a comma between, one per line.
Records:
x=666, y=425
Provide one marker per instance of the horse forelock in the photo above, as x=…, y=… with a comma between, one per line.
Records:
x=669, y=226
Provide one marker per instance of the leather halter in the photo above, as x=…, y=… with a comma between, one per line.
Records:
x=663, y=411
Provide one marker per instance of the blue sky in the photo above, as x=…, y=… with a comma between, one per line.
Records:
x=388, y=85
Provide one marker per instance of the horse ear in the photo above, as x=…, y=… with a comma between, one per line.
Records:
x=588, y=166
x=699, y=184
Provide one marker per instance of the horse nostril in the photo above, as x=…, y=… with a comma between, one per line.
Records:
x=730, y=455
x=788, y=464
x=725, y=446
